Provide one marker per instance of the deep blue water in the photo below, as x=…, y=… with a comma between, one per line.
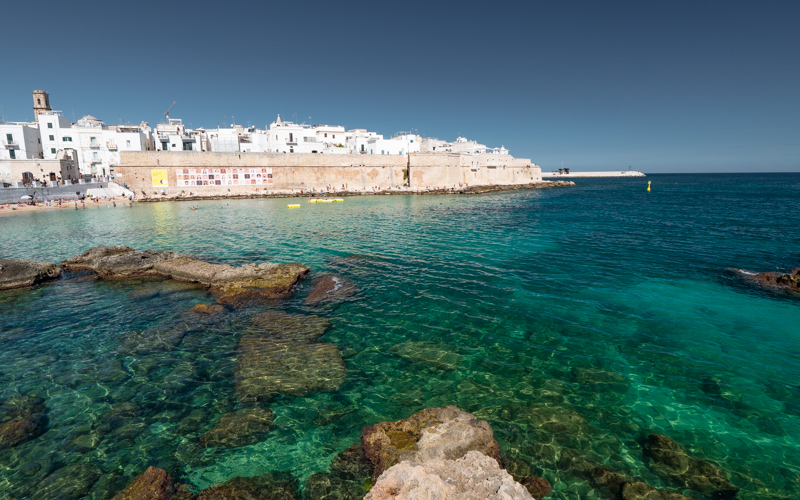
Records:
x=615, y=308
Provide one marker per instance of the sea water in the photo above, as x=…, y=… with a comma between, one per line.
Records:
x=618, y=309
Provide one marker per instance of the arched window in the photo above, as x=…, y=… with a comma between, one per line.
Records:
x=38, y=102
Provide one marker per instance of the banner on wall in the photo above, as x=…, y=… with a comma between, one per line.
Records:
x=223, y=176
x=159, y=177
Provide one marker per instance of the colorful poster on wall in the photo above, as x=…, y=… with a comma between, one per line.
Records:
x=224, y=176
x=159, y=177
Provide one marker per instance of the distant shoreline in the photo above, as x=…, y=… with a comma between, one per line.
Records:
x=342, y=194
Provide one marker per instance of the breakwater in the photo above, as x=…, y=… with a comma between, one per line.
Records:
x=615, y=173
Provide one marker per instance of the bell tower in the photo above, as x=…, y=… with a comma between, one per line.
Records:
x=41, y=102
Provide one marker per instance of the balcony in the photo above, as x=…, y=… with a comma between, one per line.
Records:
x=110, y=145
x=11, y=144
x=94, y=144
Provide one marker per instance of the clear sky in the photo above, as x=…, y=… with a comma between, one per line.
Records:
x=662, y=86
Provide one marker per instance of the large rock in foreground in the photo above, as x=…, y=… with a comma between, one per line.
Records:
x=20, y=273
x=670, y=460
x=22, y=418
x=232, y=285
x=279, y=355
x=153, y=484
x=472, y=477
x=431, y=434
x=331, y=288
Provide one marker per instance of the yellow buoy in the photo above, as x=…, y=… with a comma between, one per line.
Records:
x=648, y=185
x=293, y=206
x=338, y=200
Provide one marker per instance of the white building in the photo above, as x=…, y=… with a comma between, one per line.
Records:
x=173, y=136
x=20, y=141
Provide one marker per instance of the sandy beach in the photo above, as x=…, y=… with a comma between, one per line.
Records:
x=20, y=208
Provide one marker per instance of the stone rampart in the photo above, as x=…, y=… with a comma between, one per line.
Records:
x=209, y=174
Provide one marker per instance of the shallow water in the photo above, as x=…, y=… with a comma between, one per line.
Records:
x=601, y=301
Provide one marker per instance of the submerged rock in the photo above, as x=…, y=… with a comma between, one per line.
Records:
x=19, y=273
x=471, y=477
x=278, y=356
x=601, y=477
x=425, y=352
x=331, y=288
x=153, y=484
x=433, y=433
x=22, y=418
x=350, y=477
x=208, y=309
x=638, y=490
x=70, y=482
x=670, y=460
x=272, y=486
x=241, y=428
x=232, y=285
x=788, y=282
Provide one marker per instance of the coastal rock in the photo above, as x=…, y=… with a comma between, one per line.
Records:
x=350, y=477
x=670, y=460
x=604, y=479
x=22, y=418
x=272, y=486
x=329, y=289
x=208, y=309
x=638, y=490
x=240, y=428
x=70, y=482
x=788, y=282
x=471, y=477
x=538, y=487
x=152, y=484
x=433, y=433
x=278, y=356
x=430, y=354
x=233, y=286
x=20, y=273
x=522, y=473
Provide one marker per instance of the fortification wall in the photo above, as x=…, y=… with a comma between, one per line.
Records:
x=204, y=173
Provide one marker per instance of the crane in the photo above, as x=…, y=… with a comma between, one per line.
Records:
x=166, y=113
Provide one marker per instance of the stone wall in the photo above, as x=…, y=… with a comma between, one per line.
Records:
x=296, y=171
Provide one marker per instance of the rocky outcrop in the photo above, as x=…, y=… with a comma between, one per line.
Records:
x=22, y=418
x=330, y=288
x=20, y=273
x=241, y=428
x=670, y=460
x=350, y=477
x=434, y=433
x=471, y=477
x=272, y=486
x=788, y=282
x=233, y=286
x=153, y=484
x=279, y=355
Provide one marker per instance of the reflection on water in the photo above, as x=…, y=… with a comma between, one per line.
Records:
x=576, y=321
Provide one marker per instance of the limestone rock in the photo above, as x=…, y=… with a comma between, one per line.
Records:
x=233, y=285
x=20, y=273
x=22, y=418
x=152, y=484
x=670, y=460
x=433, y=433
x=538, y=487
x=788, y=282
x=272, y=486
x=425, y=352
x=471, y=477
x=241, y=428
x=642, y=491
x=331, y=288
x=278, y=356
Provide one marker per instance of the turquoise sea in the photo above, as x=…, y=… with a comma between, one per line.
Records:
x=617, y=310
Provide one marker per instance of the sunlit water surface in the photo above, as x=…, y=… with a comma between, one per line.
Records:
x=602, y=300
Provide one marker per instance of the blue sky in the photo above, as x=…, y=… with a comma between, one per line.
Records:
x=678, y=86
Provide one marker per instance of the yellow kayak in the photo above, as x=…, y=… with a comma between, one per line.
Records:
x=293, y=206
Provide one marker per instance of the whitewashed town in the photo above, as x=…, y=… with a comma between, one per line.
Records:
x=52, y=150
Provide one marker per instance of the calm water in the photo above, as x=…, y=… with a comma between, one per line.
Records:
x=602, y=300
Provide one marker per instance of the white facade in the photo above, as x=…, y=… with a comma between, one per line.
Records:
x=19, y=141
x=173, y=136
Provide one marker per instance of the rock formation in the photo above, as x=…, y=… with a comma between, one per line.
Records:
x=471, y=477
x=72, y=481
x=427, y=353
x=789, y=282
x=272, y=486
x=241, y=428
x=232, y=285
x=670, y=460
x=279, y=355
x=350, y=476
x=20, y=273
x=22, y=418
x=434, y=433
x=329, y=289
x=153, y=484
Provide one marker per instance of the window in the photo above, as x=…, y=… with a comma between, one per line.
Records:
x=326, y=134
x=52, y=137
x=53, y=150
x=187, y=146
x=38, y=102
x=67, y=139
x=9, y=137
x=13, y=154
x=164, y=146
x=128, y=143
x=93, y=141
x=49, y=125
x=412, y=140
x=95, y=156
